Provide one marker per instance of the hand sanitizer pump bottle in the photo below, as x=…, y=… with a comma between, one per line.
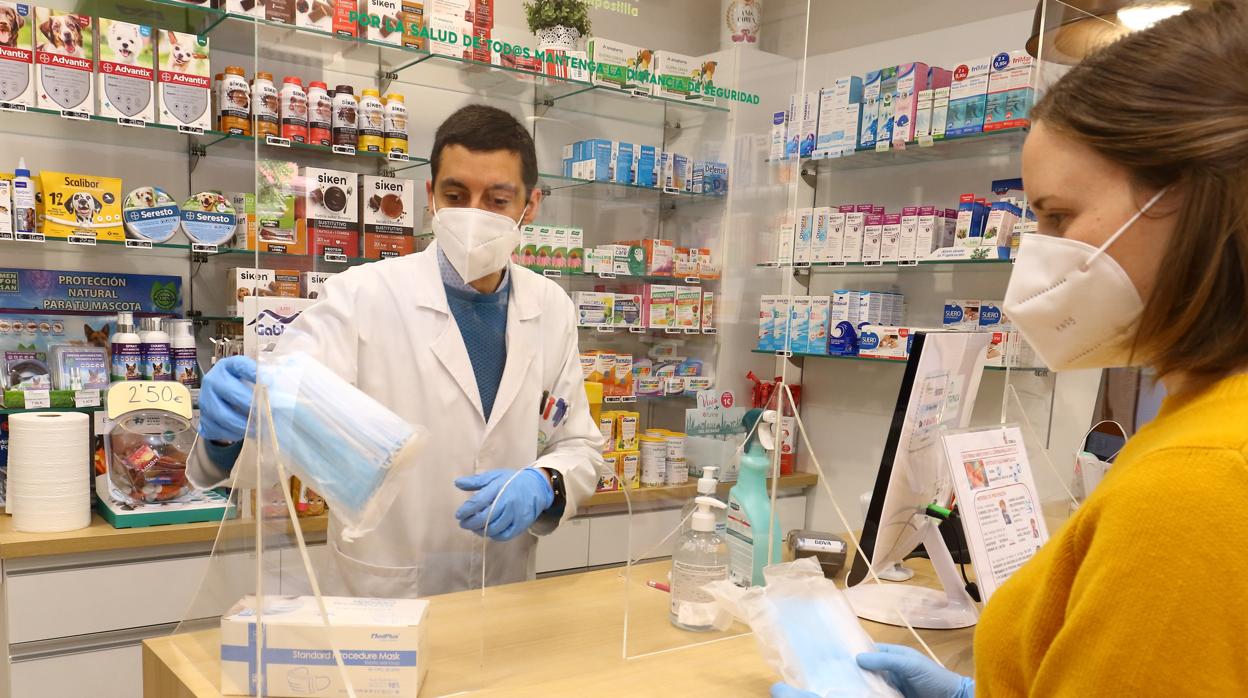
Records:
x=707, y=485
x=700, y=557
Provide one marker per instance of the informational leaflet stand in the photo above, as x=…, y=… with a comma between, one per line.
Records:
x=1000, y=505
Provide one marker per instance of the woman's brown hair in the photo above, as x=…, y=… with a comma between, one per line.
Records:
x=1170, y=104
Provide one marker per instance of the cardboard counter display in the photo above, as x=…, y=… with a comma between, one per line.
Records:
x=559, y=636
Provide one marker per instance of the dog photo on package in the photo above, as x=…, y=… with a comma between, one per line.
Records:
x=17, y=53
x=185, y=82
x=64, y=61
x=127, y=70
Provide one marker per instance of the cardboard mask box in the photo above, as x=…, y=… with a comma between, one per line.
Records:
x=185, y=80
x=327, y=209
x=65, y=61
x=17, y=54
x=127, y=70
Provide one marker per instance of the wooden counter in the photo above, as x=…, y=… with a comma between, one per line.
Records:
x=558, y=637
x=101, y=536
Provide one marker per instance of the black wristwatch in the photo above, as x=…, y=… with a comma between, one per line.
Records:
x=561, y=494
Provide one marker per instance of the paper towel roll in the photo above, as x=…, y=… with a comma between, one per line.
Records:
x=49, y=471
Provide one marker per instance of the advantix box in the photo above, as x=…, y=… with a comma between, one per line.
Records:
x=381, y=643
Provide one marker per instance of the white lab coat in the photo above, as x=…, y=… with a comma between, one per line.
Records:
x=386, y=327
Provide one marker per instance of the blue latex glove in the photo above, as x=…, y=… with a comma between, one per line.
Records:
x=914, y=674
x=782, y=690
x=225, y=399
x=524, y=499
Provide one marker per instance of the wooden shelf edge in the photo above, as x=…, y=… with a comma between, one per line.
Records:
x=650, y=494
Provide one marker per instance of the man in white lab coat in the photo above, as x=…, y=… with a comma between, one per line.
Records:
x=464, y=343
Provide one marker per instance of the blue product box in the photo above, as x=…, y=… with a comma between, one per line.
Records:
x=888, y=100
x=623, y=164
x=647, y=164
x=869, y=120
x=715, y=179
x=568, y=159
x=842, y=339
x=697, y=182
x=601, y=157
x=968, y=98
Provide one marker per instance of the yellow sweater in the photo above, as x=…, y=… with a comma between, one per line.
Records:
x=1144, y=592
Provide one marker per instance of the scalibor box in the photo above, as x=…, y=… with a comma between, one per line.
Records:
x=328, y=212
x=381, y=642
x=387, y=212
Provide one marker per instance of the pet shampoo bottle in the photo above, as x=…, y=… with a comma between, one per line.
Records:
x=183, y=354
x=125, y=350
x=154, y=345
x=23, y=200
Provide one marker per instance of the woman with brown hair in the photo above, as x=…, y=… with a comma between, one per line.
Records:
x=1137, y=168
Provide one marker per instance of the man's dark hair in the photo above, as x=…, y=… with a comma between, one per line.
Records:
x=478, y=128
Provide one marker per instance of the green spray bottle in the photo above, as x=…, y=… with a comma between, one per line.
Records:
x=753, y=529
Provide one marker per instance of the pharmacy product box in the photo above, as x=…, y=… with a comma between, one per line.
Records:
x=1000, y=223
x=697, y=179
x=381, y=641
x=312, y=284
x=17, y=55
x=576, y=250
x=280, y=11
x=872, y=233
x=277, y=234
x=884, y=342
x=809, y=124
x=1009, y=91
x=127, y=70
x=966, y=231
x=819, y=235
x=968, y=96
x=65, y=77
x=793, y=126
x=600, y=260
x=612, y=61
x=629, y=260
x=776, y=152
x=785, y=241
x=799, y=323
x=660, y=306
x=559, y=248
x=780, y=324
x=389, y=29
x=647, y=166
x=708, y=310
x=708, y=268
x=594, y=308
x=890, y=238
x=766, y=322
x=940, y=112
x=625, y=168
x=832, y=251
x=598, y=164
x=413, y=23
x=804, y=236
x=286, y=283
x=929, y=232
x=6, y=204
x=627, y=310
x=991, y=319
x=387, y=216
x=451, y=30
x=932, y=114
x=818, y=325
x=852, y=242
x=246, y=282
x=715, y=178
x=688, y=307
x=545, y=247
x=923, y=114
x=677, y=76
x=911, y=79
x=328, y=212
x=908, y=240
x=685, y=263
x=888, y=96
x=329, y=16
x=830, y=133
x=870, y=120
x=184, y=80
x=961, y=315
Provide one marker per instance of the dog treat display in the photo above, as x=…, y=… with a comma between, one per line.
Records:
x=80, y=205
x=147, y=455
x=127, y=71
x=185, y=79
x=17, y=57
x=150, y=214
x=65, y=60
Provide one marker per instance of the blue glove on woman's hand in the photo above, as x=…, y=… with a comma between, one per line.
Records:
x=783, y=690
x=526, y=496
x=914, y=674
x=225, y=399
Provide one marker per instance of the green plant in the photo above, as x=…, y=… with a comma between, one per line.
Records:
x=543, y=14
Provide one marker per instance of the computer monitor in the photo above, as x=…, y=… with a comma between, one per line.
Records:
x=937, y=394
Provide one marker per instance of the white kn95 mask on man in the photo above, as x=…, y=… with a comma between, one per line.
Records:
x=476, y=242
x=1073, y=303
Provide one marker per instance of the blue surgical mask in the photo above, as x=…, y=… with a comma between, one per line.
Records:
x=345, y=445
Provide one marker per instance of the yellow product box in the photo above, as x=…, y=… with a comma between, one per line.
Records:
x=76, y=204
x=626, y=429
x=609, y=483
x=629, y=470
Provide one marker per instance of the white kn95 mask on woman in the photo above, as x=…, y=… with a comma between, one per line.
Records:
x=1073, y=303
x=476, y=242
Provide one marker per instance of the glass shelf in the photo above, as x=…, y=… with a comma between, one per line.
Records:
x=217, y=318
x=1008, y=143
x=22, y=410
x=648, y=332
x=62, y=245
x=558, y=275
x=614, y=191
x=933, y=266
x=899, y=362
